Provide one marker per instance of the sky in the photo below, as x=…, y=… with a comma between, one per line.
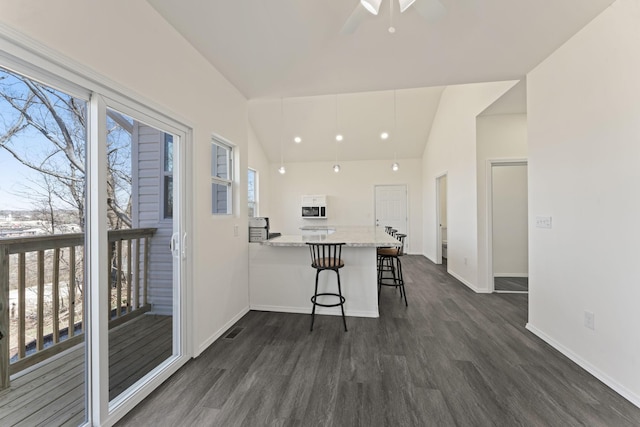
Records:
x=12, y=175
x=19, y=184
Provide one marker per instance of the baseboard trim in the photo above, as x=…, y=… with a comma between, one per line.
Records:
x=467, y=283
x=319, y=310
x=606, y=379
x=217, y=334
x=510, y=275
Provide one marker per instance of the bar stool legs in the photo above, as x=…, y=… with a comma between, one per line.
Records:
x=389, y=262
x=327, y=256
x=394, y=266
x=339, y=295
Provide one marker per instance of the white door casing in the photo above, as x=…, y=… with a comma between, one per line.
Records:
x=391, y=207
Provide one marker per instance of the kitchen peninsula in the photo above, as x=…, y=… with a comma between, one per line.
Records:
x=281, y=277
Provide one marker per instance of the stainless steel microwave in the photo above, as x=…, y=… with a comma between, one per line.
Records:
x=314, y=212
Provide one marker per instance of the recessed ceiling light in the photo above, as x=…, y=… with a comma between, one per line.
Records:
x=384, y=135
x=297, y=140
x=339, y=137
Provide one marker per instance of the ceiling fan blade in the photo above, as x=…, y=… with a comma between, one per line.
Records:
x=431, y=10
x=354, y=20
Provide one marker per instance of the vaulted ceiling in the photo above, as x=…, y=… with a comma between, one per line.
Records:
x=294, y=50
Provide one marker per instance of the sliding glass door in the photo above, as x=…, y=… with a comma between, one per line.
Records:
x=91, y=249
x=140, y=212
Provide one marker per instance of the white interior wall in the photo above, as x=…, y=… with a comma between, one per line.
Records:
x=451, y=148
x=350, y=194
x=584, y=154
x=499, y=137
x=160, y=66
x=510, y=215
x=258, y=161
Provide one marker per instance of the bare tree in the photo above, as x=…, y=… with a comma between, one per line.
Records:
x=45, y=130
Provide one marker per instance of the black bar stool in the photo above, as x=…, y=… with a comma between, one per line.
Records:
x=389, y=260
x=327, y=256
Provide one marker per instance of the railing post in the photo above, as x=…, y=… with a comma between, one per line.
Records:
x=4, y=317
x=118, y=278
x=22, y=305
x=129, y=306
x=146, y=271
x=55, y=295
x=40, y=330
x=136, y=276
x=72, y=291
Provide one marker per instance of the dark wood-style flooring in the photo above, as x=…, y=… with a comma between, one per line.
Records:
x=452, y=358
x=511, y=284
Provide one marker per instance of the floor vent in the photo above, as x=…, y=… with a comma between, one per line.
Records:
x=234, y=332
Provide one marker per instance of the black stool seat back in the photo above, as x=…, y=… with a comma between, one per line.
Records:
x=326, y=256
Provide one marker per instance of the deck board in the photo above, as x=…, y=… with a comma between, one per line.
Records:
x=52, y=393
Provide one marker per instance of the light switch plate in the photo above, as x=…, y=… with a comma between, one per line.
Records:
x=543, y=221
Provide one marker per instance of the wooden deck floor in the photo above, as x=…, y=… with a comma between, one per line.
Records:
x=52, y=393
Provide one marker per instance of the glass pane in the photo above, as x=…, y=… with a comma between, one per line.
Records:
x=42, y=196
x=251, y=192
x=168, y=152
x=251, y=184
x=220, y=196
x=141, y=287
x=168, y=197
x=220, y=162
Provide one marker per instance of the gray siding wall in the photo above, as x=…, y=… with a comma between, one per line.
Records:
x=147, y=212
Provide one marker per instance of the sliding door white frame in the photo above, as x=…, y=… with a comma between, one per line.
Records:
x=36, y=60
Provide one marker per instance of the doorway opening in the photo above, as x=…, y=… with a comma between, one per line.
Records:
x=508, y=227
x=442, y=239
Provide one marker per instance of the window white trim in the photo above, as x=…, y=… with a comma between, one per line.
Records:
x=26, y=56
x=227, y=182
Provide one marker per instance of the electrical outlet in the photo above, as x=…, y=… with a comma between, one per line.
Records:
x=543, y=222
x=235, y=230
x=589, y=320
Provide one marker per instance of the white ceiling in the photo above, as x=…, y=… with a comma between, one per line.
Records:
x=294, y=49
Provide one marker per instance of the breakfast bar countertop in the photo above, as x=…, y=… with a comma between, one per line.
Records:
x=354, y=236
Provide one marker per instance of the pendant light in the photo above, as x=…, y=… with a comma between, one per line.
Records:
x=336, y=166
x=404, y=4
x=392, y=29
x=373, y=6
x=281, y=169
x=395, y=166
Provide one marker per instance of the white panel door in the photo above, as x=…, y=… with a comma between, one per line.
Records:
x=391, y=207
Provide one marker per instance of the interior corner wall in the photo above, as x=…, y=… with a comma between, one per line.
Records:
x=502, y=136
x=190, y=90
x=584, y=170
x=258, y=161
x=451, y=148
x=350, y=194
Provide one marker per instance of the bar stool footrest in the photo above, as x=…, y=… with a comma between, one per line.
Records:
x=342, y=300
